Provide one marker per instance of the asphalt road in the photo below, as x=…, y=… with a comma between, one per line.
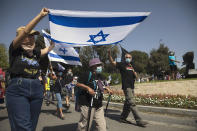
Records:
x=157, y=122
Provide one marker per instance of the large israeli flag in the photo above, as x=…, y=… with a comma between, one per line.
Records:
x=62, y=53
x=86, y=28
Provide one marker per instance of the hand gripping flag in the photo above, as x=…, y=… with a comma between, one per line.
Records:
x=86, y=28
x=62, y=53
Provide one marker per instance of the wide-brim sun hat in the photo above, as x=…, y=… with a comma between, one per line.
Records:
x=95, y=61
x=22, y=28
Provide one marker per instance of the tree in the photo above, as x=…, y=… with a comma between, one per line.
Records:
x=102, y=52
x=158, y=61
x=4, y=57
x=140, y=61
x=89, y=52
x=85, y=54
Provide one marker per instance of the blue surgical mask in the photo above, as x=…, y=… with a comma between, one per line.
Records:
x=99, y=69
x=128, y=60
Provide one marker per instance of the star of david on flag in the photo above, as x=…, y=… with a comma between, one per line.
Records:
x=86, y=28
x=101, y=37
x=62, y=53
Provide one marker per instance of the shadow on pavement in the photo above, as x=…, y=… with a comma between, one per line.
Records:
x=3, y=118
x=54, y=111
x=2, y=108
x=67, y=127
x=112, y=111
x=117, y=118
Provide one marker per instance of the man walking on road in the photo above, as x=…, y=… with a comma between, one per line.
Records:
x=128, y=76
x=90, y=98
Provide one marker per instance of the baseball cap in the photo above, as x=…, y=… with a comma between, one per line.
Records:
x=33, y=32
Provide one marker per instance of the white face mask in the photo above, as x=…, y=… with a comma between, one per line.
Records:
x=99, y=69
x=128, y=60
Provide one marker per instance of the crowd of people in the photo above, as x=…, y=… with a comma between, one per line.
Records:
x=28, y=87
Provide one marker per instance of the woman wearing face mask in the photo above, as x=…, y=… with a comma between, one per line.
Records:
x=24, y=94
x=92, y=83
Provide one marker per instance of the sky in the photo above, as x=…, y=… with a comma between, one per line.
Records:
x=172, y=22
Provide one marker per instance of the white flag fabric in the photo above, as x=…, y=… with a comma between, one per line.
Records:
x=86, y=28
x=61, y=53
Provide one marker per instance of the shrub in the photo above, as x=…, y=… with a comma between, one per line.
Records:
x=176, y=101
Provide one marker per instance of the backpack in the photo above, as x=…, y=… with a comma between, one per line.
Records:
x=78, y=92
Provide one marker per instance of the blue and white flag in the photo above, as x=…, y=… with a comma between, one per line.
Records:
x=62, y=53
x=86, y=28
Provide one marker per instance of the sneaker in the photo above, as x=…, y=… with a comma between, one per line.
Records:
x=141, y=123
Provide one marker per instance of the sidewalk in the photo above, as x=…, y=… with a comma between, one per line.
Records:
x=162, y=110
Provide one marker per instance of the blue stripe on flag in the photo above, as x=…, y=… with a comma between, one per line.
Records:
x=90, y=22
x=61, y=42
x=47, y=36
x=70, y=58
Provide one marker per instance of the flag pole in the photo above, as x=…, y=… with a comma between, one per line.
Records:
x=51, y=67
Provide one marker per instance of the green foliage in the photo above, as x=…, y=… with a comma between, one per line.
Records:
x=158, y=62
x=102, y=52
x=140, y=61
x=182, y=70
x=89, y=52
x=86, y=53
x=4, y=57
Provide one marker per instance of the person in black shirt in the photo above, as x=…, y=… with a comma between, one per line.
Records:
x=128, y=76
x=92, y=84
x=68, y=86
x=59, y=83
x=24, y=94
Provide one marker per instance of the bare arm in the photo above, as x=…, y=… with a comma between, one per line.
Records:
x=111, y=59
x=85, y=87
x=47, y=49
x=109, y=90
x=29, y=27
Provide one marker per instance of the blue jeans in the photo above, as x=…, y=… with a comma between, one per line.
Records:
x=24, y=100
x=59, y=100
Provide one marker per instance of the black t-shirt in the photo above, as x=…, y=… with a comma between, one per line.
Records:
x=58, y=85
x=127, y=75
x=84, y=96
x=68, y=78
x=23, y=65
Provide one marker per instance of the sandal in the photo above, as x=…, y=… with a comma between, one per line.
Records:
x=62, y=116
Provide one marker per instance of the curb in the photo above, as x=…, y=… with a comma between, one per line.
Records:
x=162, y=110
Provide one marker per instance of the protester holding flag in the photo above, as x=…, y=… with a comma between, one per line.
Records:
x=128, y=76
x=91, y=101
x=24, y=95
